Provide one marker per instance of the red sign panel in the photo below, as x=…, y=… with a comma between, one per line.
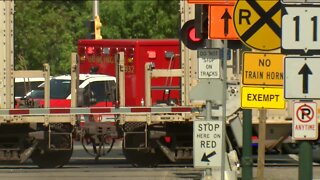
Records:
x=221, y=22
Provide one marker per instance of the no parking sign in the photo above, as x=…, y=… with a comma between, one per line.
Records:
x=305, y=121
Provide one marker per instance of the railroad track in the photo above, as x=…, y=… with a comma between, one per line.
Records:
x=115, y=166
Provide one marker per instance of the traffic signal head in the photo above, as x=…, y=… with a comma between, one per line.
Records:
x=188, y=36
x=97, y=27
x=94, y=28
x=201, y=20
x=90, y=27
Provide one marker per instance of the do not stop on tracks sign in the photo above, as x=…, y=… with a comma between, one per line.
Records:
x=305, y=122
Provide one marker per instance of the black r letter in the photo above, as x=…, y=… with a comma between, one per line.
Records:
x=244, y=14
x=305, y=112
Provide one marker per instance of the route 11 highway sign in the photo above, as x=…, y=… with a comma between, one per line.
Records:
x=300, y=29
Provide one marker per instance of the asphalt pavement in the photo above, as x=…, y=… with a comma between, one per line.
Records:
x=114, y=166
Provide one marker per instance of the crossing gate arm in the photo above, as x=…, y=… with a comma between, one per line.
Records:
x=94, y=110
x=44, y=119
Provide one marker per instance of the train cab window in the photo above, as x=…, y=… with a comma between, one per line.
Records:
x=101, y=91
x=98, y=89
x=111, y=91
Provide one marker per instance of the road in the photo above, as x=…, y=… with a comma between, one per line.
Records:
x=114, y=166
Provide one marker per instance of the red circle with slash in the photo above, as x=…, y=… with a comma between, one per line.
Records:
x=305, y=113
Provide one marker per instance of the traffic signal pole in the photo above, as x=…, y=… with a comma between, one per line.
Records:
x=94, y=25
x=95, y=8
x=96, y=19
x=224, y=107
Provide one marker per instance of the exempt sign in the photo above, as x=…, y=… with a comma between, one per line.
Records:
x=262, y=97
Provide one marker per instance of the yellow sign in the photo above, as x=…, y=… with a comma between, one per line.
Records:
x=258, y=23
x=262, y=69
x=262, y=97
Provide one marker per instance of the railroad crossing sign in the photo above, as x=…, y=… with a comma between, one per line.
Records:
x=300, y=30
x=209, y=63
x=262, y=69
x=262, y=97
x=302, y=77
x=207, y=143
x=258, y=23
x=221, y=23
x=305, y=121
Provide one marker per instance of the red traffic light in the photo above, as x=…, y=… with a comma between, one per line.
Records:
x=188, y=36
x=192, y=35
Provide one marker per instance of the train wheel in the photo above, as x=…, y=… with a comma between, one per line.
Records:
x=316, y=152
x=141, y=157
x=51, y=159
x=290, y=148
x=61, y=148
x=96, y=149
x=135, y=150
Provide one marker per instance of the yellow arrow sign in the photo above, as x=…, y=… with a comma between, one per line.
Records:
x=258, y=23
x=262, y=69
x=262, y=97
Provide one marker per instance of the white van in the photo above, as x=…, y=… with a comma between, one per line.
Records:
x=24, y=85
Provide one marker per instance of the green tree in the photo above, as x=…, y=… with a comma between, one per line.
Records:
x=48, y=31
x=140, y=19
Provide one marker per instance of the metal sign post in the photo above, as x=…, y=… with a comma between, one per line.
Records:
x=305, y=160
x=224, y=106
x=262, y=143
x=247, y=161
